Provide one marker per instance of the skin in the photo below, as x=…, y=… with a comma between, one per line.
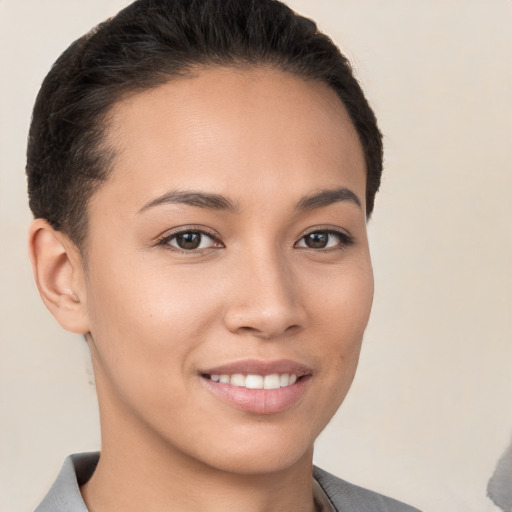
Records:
x=155, y=316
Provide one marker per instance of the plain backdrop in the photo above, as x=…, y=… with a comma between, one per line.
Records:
x=430, y=410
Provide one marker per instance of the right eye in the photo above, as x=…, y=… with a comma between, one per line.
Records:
x=190, y=240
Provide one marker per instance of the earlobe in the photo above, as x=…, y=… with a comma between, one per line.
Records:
x=59, y=276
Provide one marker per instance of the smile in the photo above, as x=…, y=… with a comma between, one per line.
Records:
x=254, y=381
x=260, y=387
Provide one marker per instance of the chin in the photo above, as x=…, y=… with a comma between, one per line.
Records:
x=264, y=462
x=261, y=454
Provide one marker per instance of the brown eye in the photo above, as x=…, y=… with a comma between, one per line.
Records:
x=317, y=240
x=325, y=239
x=190, y=241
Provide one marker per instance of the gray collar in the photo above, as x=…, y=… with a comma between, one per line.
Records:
x=338, y=495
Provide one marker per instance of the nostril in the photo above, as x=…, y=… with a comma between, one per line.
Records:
x=267, y=311
x=268, y=332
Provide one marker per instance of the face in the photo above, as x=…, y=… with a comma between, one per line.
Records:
x=228, y=279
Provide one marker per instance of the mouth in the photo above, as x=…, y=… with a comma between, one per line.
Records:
x=259, y=387
x=255, y=381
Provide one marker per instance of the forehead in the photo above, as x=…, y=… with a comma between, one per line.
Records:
x=221, y=126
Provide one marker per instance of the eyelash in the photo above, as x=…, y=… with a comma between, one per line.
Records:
x=344, y=240
x=166, y=239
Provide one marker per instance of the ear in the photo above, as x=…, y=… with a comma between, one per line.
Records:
x=59, y=276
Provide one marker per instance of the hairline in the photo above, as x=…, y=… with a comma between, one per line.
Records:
x=108, y=152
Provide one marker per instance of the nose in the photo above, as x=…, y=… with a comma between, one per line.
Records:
x=264, y=298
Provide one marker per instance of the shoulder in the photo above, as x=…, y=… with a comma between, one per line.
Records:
x=64, y=495
x=348, y=497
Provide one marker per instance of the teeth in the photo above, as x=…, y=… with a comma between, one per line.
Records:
x=284, y=380
x=271, y=381
x=252, y=381
x=238, y=380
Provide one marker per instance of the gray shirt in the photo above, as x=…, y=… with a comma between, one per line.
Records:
x=333, y=493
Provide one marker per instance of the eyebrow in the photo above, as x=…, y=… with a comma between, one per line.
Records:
x=198, y=199
x=219, y=202
x=328, y=197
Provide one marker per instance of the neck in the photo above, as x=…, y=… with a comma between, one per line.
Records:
x=140, y=471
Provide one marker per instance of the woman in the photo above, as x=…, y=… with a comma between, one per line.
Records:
x=200, y=174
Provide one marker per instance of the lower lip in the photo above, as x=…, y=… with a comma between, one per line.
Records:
x=259, y=401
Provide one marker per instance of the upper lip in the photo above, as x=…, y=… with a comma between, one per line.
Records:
x=259, y=367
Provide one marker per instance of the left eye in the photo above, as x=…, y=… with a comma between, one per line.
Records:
x=191, y=240
x=324, y=240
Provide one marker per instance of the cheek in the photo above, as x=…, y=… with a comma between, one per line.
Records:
x=342, y=312
x=146, y=323
x=130, y=293
x=342, y=301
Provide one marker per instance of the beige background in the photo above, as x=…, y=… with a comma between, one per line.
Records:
x=431, y=408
